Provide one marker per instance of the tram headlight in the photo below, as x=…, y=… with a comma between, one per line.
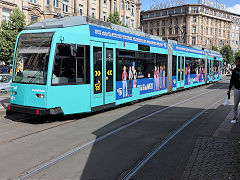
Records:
x=40, y=95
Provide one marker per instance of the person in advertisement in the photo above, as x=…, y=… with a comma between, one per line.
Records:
x=161, y=77
x=164, y=74
x=188, y=75
x=124, y=81
x=235, y=81
x=134, y=75
x=155, y=78
x=130, y=76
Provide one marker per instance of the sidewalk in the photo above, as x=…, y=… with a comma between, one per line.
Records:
x=4, y=102
x=216, y=157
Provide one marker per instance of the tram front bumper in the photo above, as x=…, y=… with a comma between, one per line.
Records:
x=34, y=110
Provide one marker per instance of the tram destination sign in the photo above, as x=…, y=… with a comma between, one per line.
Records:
x=187, y=49
x=214, y=4
x=167, y=4
x=126, y=37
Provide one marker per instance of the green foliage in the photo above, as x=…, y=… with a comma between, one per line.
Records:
x=237, y=54
x=8, y=34
x=227, y=53
x=214, y=48
x=114, y=18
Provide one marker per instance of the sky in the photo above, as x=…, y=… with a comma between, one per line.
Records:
x=232, y=5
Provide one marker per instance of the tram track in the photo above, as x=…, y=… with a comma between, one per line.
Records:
x=131, y=172
x=81, y=147
x=16, y=122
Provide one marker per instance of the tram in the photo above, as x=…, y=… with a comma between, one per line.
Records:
x=78, y=64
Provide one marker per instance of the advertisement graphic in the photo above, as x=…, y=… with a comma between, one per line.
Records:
x=146, y=85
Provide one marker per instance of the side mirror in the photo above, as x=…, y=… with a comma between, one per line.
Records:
x=73, y=50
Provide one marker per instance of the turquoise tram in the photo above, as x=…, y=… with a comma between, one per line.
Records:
x=79, y=64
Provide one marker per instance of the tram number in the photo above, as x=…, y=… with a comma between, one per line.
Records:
x=98, y=86
x=97, y=73
x=109, y=72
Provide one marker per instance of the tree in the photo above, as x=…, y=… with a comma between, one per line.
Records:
x=9, y=31
x=214, y=48
x=227, y=53
x=237, y=54
x=114, y=18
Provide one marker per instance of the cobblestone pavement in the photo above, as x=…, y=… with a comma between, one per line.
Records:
x=214, y=158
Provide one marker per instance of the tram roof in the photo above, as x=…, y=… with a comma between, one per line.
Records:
x=84, y=20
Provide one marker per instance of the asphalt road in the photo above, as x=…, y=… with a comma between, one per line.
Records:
x=26, y=146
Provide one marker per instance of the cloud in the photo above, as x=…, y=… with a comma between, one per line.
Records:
x=234, y=9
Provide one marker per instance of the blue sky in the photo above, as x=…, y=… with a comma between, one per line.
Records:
x=232, y=5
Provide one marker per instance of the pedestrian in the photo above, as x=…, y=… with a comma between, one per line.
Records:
x=235, y=81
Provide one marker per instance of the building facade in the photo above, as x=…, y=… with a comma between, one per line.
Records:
x=235, y=36
x=36, y=10
x=193, y=24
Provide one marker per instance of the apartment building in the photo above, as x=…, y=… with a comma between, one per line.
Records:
x=193, y=24
x=36, y=10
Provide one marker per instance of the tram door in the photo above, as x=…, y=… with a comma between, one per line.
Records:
x=102, y=74
x=180, y=71
x=211, y=70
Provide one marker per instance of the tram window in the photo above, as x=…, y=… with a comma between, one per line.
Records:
x=174, y=65
x=97, y=61
x=143, y=63
x=80, y=65
x=69, y=69
x=109, y=69
x=162, y=62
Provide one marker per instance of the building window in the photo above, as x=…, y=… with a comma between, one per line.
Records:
x=34, y=18
x=193, y=40
x=176, y=22
x=163, y=31
x=170, y=31
x=122, y=4
x=176, y=30
x=178, y=11
x=5, y=14
x=171, y=11
x=127, y=21
x=194, y=9
x=56, y=3
x=93, y=12
x=194, y=19
x=158, y=14
x=164, y=13
x=115, y=5
x=65, y=5
x=33, y=1
x=132, y=23
x=47, y=2
x=122, y=20
x=207, y=31
x=127, y=5
x=80, y=9
x=104, y=16
x=194, y=29
x=132, y=11
x=163, y=23
x=201, y=29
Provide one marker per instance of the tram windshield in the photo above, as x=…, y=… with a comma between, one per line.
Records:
x=31, y=58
